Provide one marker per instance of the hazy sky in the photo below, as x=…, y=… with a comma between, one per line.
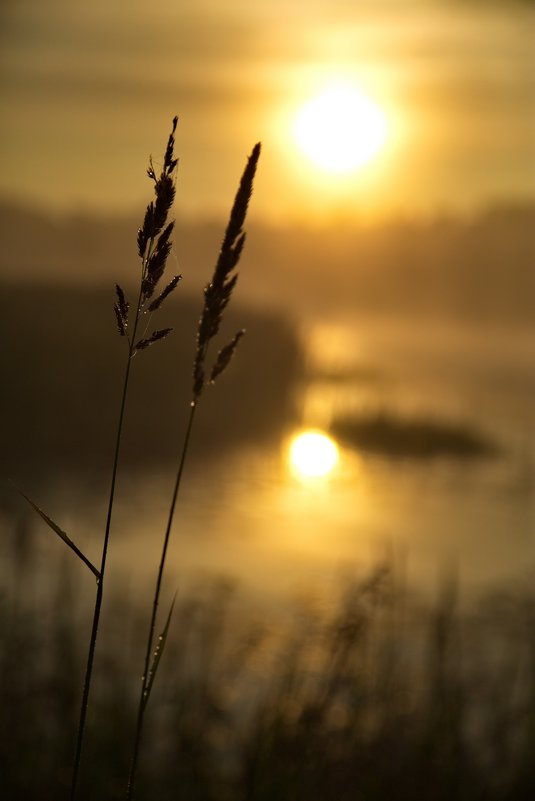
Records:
x=88, y=91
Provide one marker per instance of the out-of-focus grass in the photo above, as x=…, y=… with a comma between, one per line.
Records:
x=378, y=697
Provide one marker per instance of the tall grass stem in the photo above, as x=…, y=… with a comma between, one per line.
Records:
x=155, y=603
x=100, y=582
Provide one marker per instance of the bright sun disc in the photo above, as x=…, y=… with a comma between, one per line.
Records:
x=340, y=129
x=313, y=453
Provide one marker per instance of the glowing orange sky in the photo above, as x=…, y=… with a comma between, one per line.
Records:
x=88, y=91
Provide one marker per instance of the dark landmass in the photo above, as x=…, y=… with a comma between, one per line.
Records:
x=395, y=438
x=62, y=364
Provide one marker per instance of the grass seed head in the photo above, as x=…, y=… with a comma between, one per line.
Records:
x=225, y=356
x=121, y=311
x=218, y=292
x=155, y=226
x=154, y=337
x=167, y=291
x=170, y=161
x=165, y=195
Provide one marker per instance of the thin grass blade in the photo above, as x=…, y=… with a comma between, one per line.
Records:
x=59, y=531
x=158, y=655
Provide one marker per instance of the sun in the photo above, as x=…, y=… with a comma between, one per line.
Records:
x=340, y=129
x=312, y=453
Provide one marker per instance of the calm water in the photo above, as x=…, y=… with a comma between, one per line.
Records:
x=247, y=516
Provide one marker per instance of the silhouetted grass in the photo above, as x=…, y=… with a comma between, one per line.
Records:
x=133, y=324
x=154, y=245
x=217, y=295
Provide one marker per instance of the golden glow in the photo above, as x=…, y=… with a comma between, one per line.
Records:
x=313, y=454
x=340, y=129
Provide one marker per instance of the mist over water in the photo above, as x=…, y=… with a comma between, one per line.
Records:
x=242, y=512
x=411, y=343
x=248, y=516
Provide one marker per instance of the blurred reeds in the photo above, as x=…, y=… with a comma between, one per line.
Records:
x=378, y=696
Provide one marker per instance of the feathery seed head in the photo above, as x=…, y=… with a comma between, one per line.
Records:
x=170, y=161
x=121, y=309
x=167, y=291
x=154, y=270
x=225, y=355
x=154, y=337
x=218, y=292
x=154, y=255
x=165, y=195
x=153, y=245
x=121, y=327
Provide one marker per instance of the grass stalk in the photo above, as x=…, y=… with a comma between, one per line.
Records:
x=100, y=589
x=217, y=295
x=155, y=603
x=154, y=246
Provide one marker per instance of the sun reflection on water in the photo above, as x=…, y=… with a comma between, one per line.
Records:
x=312, y=454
